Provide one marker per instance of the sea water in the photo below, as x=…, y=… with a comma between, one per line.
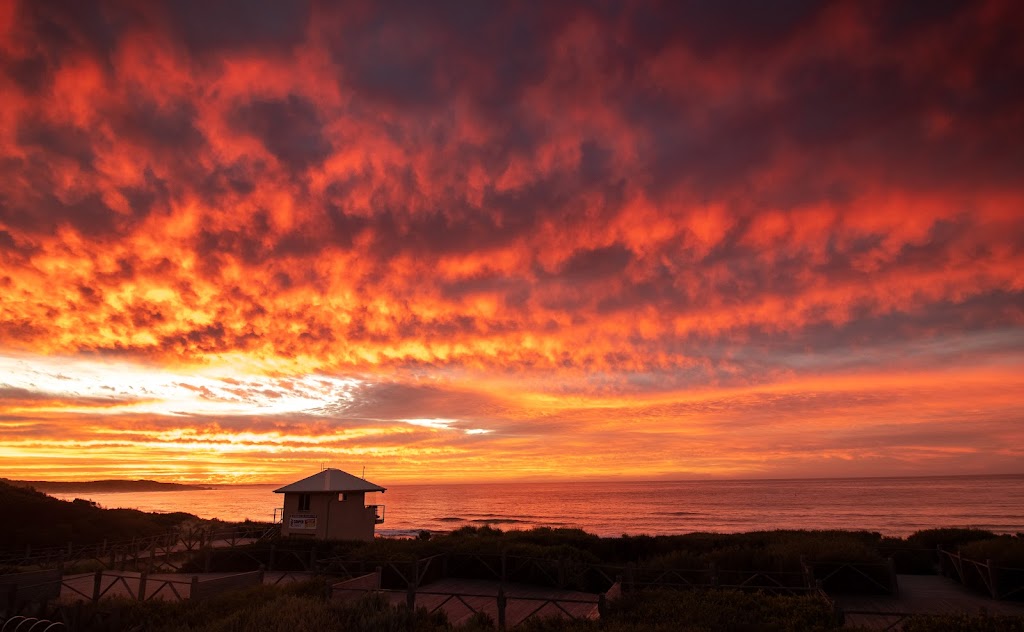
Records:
x=892, y=506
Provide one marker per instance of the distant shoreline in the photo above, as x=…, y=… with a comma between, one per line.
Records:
x=105, y=486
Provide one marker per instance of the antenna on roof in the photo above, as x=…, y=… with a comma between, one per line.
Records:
x=322, y=468
x=364, y=471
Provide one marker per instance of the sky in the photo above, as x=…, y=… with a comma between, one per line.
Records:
x=484, y=241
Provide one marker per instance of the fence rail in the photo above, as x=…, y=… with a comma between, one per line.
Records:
x=151, y=552
x=987, y=574
x=25, y=589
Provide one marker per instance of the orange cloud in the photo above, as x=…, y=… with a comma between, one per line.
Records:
x=511, y=215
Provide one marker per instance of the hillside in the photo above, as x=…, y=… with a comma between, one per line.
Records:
x=33, y=518
x=104, y=486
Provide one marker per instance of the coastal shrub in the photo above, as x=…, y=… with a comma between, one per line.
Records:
x=56, y=522
x=718, y=610
x=948, y=538
x=1006, y=551
x=963, y=623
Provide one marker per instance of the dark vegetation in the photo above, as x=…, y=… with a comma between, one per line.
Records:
x=34, y=519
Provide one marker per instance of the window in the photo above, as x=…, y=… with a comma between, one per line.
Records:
x=303, y=502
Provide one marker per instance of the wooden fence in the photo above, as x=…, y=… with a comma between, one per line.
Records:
x=151, y=553
x=1001, y=582
x=26, y=589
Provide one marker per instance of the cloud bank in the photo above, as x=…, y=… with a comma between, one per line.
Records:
x=718, y=241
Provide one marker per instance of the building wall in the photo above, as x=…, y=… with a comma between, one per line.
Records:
x=328, y=518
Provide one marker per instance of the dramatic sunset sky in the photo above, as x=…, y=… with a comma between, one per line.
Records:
x=460, y=241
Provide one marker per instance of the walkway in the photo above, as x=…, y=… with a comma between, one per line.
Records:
x=919, y=594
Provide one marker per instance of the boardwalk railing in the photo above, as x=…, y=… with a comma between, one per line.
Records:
x=477, y=602
x=1001, y=582
x=25, y=589
x=157, y=551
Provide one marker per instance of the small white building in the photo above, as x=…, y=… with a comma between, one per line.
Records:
x=330, y=506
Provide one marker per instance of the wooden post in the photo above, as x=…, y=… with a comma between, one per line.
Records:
x=894, y=587
x=97, y=586
x=504, y=566
x=152, y=558
x=808, y=573
x=502, y=602
x=193, y=588
x=992, y=586
x=270, y=562
x=410, y=597
x=12, y=599
x=380, y=573
x=142, y=586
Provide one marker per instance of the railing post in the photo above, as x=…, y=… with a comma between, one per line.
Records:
x=808, y=572
x=894, y=587
x=410, y=597
x=502, y=601
x=380, y=573
x=142, y=585
x=97, y=585
x=992, y=587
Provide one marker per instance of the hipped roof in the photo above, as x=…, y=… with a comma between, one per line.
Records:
x=330, y=480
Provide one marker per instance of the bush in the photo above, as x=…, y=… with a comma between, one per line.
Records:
x=1006, y=551
x=963, y=623
x=948, y=539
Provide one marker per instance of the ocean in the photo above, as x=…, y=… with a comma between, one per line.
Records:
x=892, y=506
